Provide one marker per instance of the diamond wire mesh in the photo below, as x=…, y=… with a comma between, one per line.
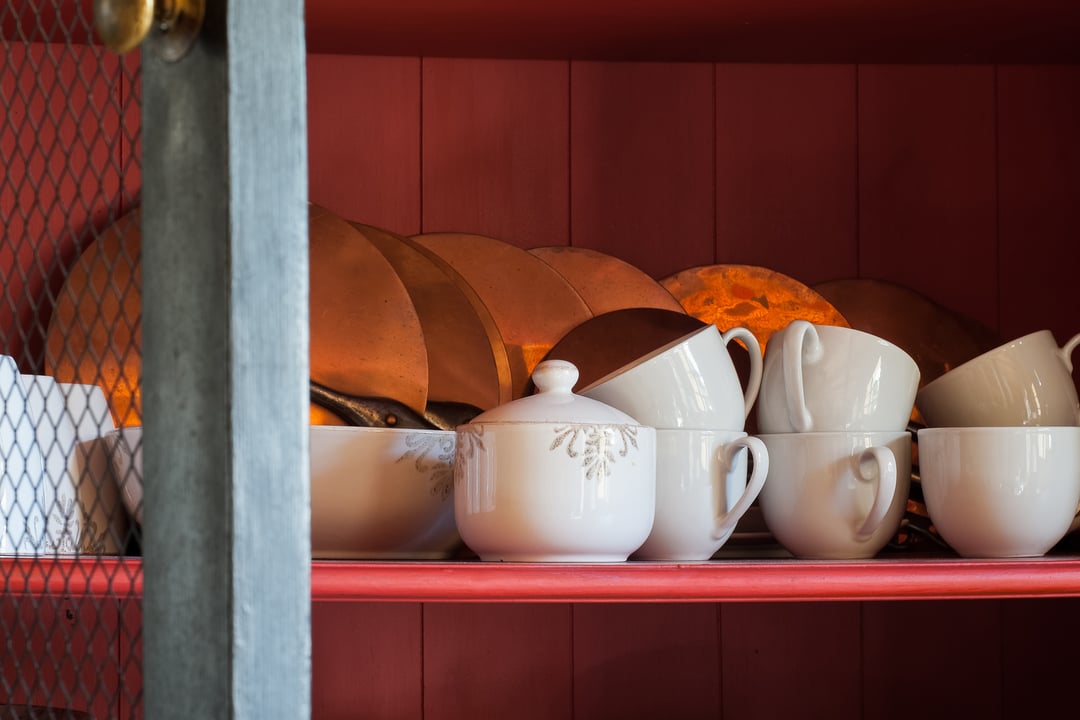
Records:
x=70, y=614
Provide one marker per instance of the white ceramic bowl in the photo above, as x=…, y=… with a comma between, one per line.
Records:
x=555, y=477
x=376, y=493
x=1001, y=491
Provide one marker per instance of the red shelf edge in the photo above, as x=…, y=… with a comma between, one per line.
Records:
x=717, y=581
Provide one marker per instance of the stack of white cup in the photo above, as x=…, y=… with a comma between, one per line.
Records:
x=690, y=392
x=999, y=460
x=833, y=412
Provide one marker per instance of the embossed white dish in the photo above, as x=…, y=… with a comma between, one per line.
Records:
x=555, y=477
x=376, y=493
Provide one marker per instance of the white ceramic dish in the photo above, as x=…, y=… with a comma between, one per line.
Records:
x=555, y=477
x=1001, y=491
x=376, y=493
x=689, y=383
x=1027, y=381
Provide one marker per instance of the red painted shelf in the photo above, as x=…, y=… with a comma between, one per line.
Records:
x=893, y=578
x=932, y=31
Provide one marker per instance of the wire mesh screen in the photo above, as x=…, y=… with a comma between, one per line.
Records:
x=69, y=368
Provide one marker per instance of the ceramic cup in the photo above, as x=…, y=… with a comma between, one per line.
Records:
x=82, y=510
x=688, y=383
x=821, y=378
x=836, y=495
x=23, y=473
x=1001, y=491
x=1027, y=381
x=701, y=491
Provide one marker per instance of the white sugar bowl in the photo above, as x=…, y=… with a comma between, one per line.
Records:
x=554, y=477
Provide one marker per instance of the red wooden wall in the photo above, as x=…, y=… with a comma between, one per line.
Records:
x=958, y=181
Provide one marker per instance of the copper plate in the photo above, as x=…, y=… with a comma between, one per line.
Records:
x=605, y=343
x=605, y=282
x=94, y=334
x=937, y=338
x=467, y=360
x=761, y=300
x=533, y=305
x=366, y=338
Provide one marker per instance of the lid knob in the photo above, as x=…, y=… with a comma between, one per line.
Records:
x=557, y=376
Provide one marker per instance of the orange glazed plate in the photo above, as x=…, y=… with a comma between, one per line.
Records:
x=761, y=300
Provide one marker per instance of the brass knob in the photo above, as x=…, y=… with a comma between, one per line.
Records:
x=124, y=24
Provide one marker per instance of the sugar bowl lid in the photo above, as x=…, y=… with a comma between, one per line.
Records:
x=555, y=401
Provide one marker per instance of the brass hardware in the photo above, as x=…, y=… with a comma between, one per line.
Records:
x=124, y=24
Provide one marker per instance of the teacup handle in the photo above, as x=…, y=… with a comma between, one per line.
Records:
x=801, y=344
x=728, y=517
x=883, y=464
x=753, y=383
x=1065, y=353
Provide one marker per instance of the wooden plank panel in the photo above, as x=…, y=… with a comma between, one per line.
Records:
x=129, y=652
x=927, y=187
x=366, y=660
x=364, y=138
x=59, y=652
x=641, y=163
x=786, y=190
x=649, y=660
x=58, y=121
x=496, y=149
x=1038, y=155
x=497, y=661
x=1039, y=641
x=791, y=660
x=932, y=660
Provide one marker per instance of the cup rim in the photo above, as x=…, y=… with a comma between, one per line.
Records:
x=964, y=367
x=649, y=357
x=974, y=430
x=834, y=434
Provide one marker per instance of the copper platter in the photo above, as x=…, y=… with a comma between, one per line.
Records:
x=366, y=337
x=759, y=299
x=466, y=357
x=604, y=343
x=605, y=282
x=94, y=335
x=533, y=305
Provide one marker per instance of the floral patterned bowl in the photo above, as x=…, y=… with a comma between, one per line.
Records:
x=382, y=493
x=376, y=493
x=554, y=477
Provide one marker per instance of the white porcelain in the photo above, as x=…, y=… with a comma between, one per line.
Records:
x=126, y=458
x=821, y=378
x=376, y=493
x=82, y=511
x=1001, y=491
x=688, y=383
x=702, y=491
x=836, y=495
x=555, y=477
x=382, y=493
x=23, y=473
x=1027, y=381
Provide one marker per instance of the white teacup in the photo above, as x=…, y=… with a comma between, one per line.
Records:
x=688, y=383
x=81, y=510
x=1001, y=491
x=1027, y=381
x=836, y=495
x=701, y=491
x=821, y=378
x=23, y=474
